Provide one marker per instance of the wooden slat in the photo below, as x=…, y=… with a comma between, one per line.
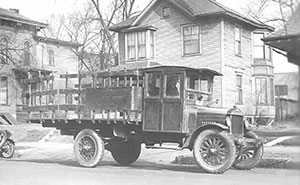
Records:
x=37, y=79
x=70, y=91
x=42, y=93
x=39, y=108
x=72, y=76
x=84, y=85
x=119, y=73
x=71, y=107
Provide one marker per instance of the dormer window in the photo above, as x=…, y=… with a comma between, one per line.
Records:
x=165, y=12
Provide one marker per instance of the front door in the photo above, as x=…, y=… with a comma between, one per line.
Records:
x=162, y=105
x=171, y=103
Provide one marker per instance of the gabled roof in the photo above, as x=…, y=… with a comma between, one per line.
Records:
x=13, y=16
x=57, y=42
x=194, y=9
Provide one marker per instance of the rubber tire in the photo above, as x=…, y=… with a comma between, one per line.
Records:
x=249, y=164
x=126, y=153
x=229, y=144
x=99, y=146
x=3, y=137
x=10, y=155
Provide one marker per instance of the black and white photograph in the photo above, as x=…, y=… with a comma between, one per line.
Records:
x=127, y=92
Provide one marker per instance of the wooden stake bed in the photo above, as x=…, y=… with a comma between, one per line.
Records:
x=110, y=98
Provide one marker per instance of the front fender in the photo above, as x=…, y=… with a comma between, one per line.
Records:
x=211, y=126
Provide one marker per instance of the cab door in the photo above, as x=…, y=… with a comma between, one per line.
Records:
x=152, y=102
x=172, y=102
x=162, y=102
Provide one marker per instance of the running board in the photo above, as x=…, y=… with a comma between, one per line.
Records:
x=166, y=148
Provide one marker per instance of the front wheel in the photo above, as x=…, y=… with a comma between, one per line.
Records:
x=8, y=149
x=214, y=151
x=248, y=158
x=127, y=152
x=88, y=148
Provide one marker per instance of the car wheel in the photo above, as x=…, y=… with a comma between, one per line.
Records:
x=3, y=137
x=248, y=158
x=8, y=149
x=88, y=148
x=126, y=153
x=214, y=151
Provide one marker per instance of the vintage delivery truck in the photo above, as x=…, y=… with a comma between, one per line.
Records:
x=125, y=109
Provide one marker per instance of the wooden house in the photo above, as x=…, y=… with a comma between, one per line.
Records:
x=24, y=55
x=204, y=33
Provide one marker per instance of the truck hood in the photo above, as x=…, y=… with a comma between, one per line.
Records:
x=211, y=115
x=208, y=110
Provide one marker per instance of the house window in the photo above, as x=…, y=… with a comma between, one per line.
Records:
x=239, y=86
x=191, y=39
x=139, y=45
x=261, y=90
x=131, y=45
x=272, y=97
x=281, y=90
x=165, y=12
x=50, y=57
x=4, y=50
x=151, y=44
x=4, y=90
x=238, y=40
x=26, y=53
x=261, y=50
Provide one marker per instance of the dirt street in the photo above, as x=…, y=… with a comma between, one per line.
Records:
x=53, y=163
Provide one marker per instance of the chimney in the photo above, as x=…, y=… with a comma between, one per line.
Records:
x=17, y=11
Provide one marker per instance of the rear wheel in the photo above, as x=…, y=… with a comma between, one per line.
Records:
x=248, y=158
x=126, y=153
x=8, y=149
x=214, y=151
x=88, y=148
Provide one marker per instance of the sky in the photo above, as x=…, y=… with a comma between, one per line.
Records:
x=40, y=10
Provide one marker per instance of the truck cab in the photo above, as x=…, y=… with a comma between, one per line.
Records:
x=172, y=93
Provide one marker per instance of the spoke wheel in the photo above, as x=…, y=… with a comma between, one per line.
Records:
x=126, y=153
x=88, y=148
x=214, y=152
x=3, y=137
x=8, y=149
x=248, y=158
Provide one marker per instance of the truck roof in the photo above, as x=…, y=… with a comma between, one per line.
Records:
x=182, y=68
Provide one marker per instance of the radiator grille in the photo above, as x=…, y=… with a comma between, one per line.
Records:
x=237, y=126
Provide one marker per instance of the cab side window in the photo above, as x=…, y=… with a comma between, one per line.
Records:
x=172, y=85
x=154, y=87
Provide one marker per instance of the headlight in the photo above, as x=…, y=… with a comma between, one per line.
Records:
x=228, y=121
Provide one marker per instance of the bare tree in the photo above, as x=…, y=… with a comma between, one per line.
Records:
x=121, y=10
x=273, y=12
x=89, y=27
